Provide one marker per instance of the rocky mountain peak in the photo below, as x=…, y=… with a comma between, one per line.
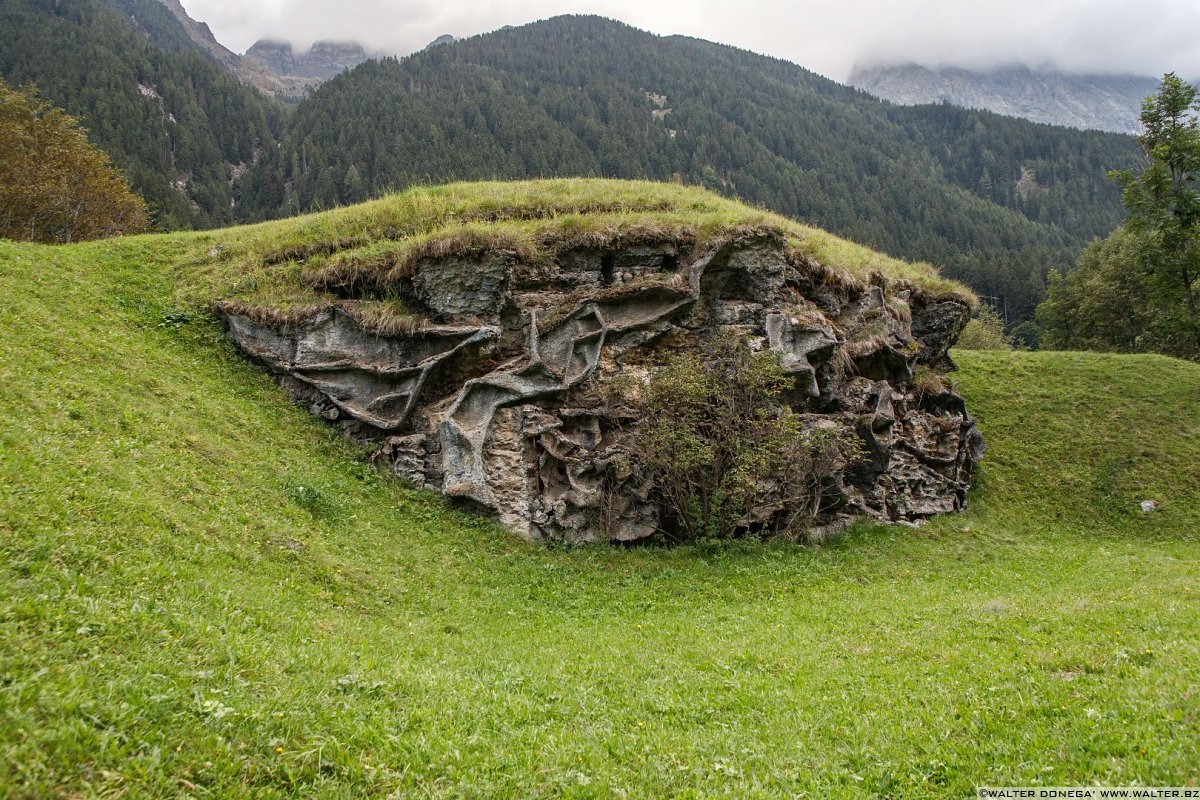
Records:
x=445, y=38
x=202, y=35
x=1090, y=102
x=322, y=61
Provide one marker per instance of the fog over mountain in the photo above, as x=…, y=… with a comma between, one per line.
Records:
x=1088, y=36
x=1093, y=102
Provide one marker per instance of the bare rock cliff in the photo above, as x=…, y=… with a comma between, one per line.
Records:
x=1090, y=102
x=322, y=61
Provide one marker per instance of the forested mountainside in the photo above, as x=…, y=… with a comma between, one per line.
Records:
x=169, y=115
x=200, y=34
x=269, y=67
x=1095, y=102
x=995, y=201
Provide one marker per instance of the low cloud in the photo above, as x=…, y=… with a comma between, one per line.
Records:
x=1104, y=36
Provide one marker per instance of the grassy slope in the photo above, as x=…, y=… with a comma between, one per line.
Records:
x=267, y=264
x=203, y=592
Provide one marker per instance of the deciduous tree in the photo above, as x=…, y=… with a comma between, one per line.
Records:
x=54, y=185
x=1139, y=289
x=1164, y=209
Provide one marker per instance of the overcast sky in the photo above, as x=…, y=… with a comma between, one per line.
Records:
x=1146, y=37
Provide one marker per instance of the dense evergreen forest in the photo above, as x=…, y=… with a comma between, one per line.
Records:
x=173, y=119
x=994, y=201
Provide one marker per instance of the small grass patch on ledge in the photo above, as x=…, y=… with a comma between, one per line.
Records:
x=313, y=260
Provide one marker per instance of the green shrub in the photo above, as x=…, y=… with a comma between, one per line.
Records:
x=985, y=331
x=725, y=453
x=1105, y=304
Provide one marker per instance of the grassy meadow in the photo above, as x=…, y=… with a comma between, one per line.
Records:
x=205, y=592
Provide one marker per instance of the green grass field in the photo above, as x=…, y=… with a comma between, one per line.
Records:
x=205, y=592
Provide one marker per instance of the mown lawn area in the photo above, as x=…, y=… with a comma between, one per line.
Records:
x=205, y=592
